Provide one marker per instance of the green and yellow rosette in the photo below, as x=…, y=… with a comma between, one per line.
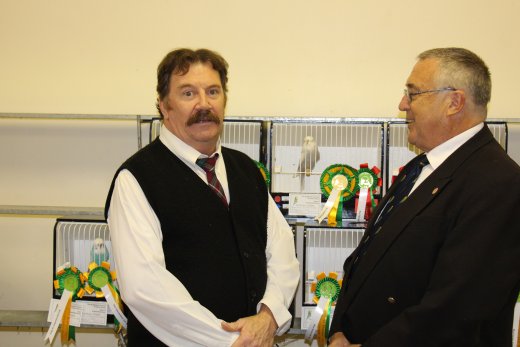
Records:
x=71, y=279
x=265, y=173
x=326, y=291
x=327, y=286
x=368, y=181
x=100, y=280
x=338, y=183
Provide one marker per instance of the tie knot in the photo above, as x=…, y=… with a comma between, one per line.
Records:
x=423, y=161
x=207, y=164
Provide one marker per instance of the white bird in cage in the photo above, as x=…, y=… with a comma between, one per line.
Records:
x=308, y=158
x=99, y=252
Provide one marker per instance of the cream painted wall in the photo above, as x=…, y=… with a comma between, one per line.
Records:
x=287, y=57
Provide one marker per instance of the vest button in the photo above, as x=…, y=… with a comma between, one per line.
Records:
x=246, y=255
x=391, y=300
x=252, y=293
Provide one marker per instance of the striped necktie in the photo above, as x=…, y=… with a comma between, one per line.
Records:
x=208, y=165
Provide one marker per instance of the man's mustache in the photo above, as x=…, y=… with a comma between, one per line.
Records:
x=203, y=116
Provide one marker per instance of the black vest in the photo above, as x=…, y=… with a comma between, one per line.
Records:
x=217, y=254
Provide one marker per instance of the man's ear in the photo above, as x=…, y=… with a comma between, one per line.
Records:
x=457, y=101
x=163, y=106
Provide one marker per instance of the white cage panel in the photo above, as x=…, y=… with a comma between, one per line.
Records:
x=401, y=152
x=240, y=135
x=302, y=151
x=499, y=131
x=327, y=248
x=243, y=136
x=80, y=243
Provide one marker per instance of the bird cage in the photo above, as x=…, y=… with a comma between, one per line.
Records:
x=400, y=152
x=79, y=242
x=301, y=150
x=243, y=135
x=325, y=251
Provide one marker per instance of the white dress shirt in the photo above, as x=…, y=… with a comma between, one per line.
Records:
x=440, y=153
x=156, y=297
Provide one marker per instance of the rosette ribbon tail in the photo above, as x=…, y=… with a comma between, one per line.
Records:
x=315, y=318
x=114, y=301
x=59, y=315
x=334, y=212
x=323, y=325
x=362, y=204
x=339, y=215
x=329, y=205
x=320, y=322
x=65, y=323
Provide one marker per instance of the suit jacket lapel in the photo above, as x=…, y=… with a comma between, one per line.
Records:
x=420, y=199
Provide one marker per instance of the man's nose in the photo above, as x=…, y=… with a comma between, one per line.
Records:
x=203, y=101
x=404, y=105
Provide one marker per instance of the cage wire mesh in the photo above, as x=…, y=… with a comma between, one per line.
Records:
x=401, y=152
x=326, y=250
x=80, y=243
x=244, y=136
x=302, y=151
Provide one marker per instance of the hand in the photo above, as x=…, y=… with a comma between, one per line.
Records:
x=255, y=331
x=340, y=340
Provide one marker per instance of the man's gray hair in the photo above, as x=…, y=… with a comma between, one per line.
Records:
x=462, y=69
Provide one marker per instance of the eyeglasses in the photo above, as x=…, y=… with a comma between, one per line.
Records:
x=409, y=95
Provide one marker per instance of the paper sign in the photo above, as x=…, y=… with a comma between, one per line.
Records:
x=93, y=312
x=304, y=204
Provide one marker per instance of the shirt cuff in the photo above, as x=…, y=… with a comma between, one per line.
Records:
x=281, y=315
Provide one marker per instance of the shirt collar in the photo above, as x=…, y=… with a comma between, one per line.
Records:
x=440, y=153
x=182, y=149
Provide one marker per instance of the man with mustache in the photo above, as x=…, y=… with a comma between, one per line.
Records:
x=438, y=265
x=204, y=256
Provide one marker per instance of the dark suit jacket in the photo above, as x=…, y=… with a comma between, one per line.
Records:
x=445, y=268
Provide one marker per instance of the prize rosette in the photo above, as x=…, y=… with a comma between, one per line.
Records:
x=100, y=280
x=265, y=173
x=69, y=283
x=70, y=278
x=338, y=183
x=326, y=291
x=368, y=181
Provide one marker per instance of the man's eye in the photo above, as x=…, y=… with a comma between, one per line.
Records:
x=188, y=93
x=214, y=92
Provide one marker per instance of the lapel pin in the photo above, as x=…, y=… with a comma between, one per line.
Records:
x=435, y=190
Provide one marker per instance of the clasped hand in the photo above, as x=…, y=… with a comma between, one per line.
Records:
x=255, y=331
x=340, y=340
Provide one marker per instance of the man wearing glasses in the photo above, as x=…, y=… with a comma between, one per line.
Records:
x=439, y=262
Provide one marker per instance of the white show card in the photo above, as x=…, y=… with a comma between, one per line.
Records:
x=93, y=312
x=304, y=204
